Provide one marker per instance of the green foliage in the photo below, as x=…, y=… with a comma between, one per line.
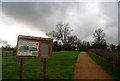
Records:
x=59, y=66
x=114, y=72
x=32, y=49
x=27, y=48
x=99, y=45
x=112, y=57
x=34, y=53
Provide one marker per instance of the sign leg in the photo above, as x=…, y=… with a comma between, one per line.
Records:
x=44, y=69
x=21, y=67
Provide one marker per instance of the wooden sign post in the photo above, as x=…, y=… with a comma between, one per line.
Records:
x=33, y=47
x=21, y=67
x=44, y=69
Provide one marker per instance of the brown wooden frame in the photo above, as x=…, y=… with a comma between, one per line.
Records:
x=36, y=39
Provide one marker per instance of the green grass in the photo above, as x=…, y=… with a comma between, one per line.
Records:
x=59, y=66
x=114, y=72
x=34, y=53
x=7, y=53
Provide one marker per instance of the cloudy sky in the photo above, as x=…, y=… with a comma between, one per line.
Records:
x=38, y=18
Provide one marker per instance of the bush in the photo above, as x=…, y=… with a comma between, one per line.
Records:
x=113, y=57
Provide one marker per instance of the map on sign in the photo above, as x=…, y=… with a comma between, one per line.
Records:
x=27, y=48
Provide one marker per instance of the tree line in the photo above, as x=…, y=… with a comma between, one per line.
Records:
x=65, y=41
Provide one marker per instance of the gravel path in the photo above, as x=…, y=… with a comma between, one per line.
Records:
x=86, y=68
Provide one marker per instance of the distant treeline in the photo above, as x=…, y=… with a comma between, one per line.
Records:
x=8, y=51
x=63, y=40
x=83, y=46
x=66, y=41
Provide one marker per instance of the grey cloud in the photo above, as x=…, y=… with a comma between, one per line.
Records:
x=40, y=14
x=45, y=15
x=111, y=13
x=27, y=12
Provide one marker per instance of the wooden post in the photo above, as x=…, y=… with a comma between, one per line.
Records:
x=44, y=69
x=21, y=67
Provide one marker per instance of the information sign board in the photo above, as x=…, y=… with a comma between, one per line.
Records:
x=28, y=46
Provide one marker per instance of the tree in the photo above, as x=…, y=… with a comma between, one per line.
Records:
x=4, y=44
x=72, y=42
x=84, y=46
x=118, y=47
x=52, y=34
x=88, y=45
x=99, y=36
x=72, y=39
x=78, y=44
x=99, y=40
x=61, y=32
x=7, y=46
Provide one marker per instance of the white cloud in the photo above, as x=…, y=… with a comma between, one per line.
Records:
x=10, y=30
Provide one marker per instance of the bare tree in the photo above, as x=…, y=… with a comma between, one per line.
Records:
x=99, y=39
x=3, y=42
x=72, y=39
x=66, y=31
x=99, y=36
x=61, y=32
x=52, y=34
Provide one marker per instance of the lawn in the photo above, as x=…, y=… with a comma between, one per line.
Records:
x=60, y=66
x=114, y=72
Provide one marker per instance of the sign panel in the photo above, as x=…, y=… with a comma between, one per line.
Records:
x=45, y=49
x=28, y=46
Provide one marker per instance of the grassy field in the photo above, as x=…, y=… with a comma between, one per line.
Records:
x=60, y=66
x=7, y=53
x=114, y=72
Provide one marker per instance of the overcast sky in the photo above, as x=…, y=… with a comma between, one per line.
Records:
x=38, y=18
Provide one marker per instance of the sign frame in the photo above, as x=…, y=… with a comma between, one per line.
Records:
x=35, y=39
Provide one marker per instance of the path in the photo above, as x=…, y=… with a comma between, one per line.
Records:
x=86, y=68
